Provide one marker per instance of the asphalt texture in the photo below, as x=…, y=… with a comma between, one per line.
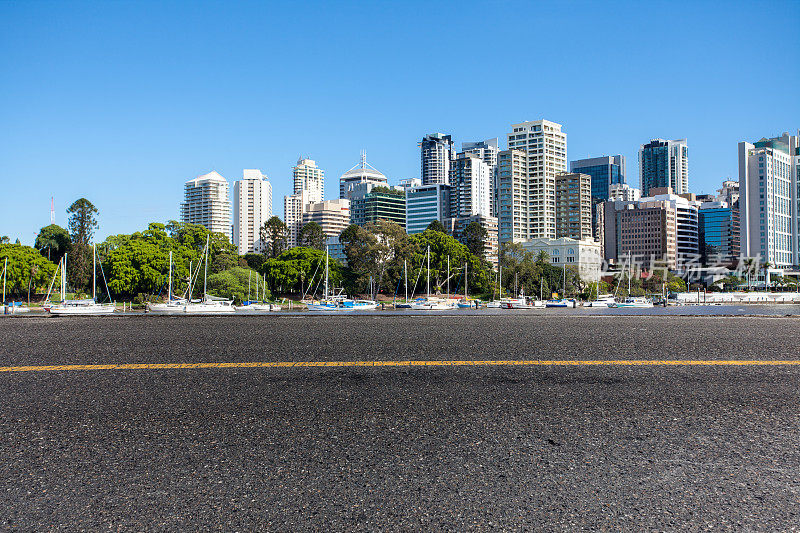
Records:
x=398, y=448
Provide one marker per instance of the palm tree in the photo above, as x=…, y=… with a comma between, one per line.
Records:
x=765, y=266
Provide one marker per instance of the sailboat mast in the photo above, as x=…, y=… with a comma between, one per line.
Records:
x=169, y=294
x=405, y=270
x=326, y=272
x=94, y=272
x=448, y=276
x=249, y=278
x=5, y=268
x=64, y=281
x=205, y=272
x=429, y=273
x=465, y=281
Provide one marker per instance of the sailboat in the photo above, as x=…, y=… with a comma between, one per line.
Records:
x=208, y=305
x=174, y=304
x=86, y=307
x=497, y=303
x=521, y=301
x=257, y=305
x=10, y=308
x=466, y=303
x=632, y=301
x=602, y=300
x=428, y=303
x=339, y=301
x=562, y=302
x=405, y=304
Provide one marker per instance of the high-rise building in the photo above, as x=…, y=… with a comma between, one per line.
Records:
x=371, y=203
x=205, y=202
x=333, y=216
x=361, y=173
x=294, y=206
x=664, y=164
x=768, y=205
x=310, y=178
x=660, y=230
x=605, y=171
x=574, y=206
x=424, y=204
x=718, y=243
x=436, y=153
x=471, y=186
x=487, y=150
x=252, y=207
x=537, y=151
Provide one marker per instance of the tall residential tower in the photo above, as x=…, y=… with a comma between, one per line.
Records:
x=252, y=207
x=664, y=164
x=205, y=202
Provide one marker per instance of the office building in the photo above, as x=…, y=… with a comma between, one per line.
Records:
x=583, y=256
x=659, y=230
x=644, y=233
x=470, y=186
x=718, y=239
x=361, y=173
x=605, y=172
x=623, y=191
x=664, y=164
x=768, y=202
x=574, y=206
x=252, y=207
x=436, y=153
x=333, y=216
x=371, y=203
x=537, y=151
x=205, y=202
x=310, y=178
x=424, y=204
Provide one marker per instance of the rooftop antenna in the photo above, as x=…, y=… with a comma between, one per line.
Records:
x=52, y=211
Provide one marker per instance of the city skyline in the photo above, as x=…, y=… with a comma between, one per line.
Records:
x=104, y=127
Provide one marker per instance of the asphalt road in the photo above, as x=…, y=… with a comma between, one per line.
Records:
x=400, y=448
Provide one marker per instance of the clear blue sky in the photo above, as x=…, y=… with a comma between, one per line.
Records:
x=122, y=102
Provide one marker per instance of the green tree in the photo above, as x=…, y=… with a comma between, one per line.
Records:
x=26, y=269
x=436, y=225
x=4, y=239
x=474, y=237
x=301, y=270
x=442, y=247
x=233, y=284
x=373, y=251
x=274, y=237
x=82, y=221
x=53, y=242
x=79, y=268
x=311, y=236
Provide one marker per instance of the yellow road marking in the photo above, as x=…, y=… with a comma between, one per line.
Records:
x=308, y=364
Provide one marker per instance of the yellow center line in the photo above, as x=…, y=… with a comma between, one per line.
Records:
x=309, y=364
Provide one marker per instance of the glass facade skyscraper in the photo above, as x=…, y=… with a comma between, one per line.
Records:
x=716, y=232
x=664, y=164
x=604, y=171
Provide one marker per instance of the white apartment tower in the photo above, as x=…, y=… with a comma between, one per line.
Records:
x=526, y=203
x=769, y=199
x=310, y=178
x=471, y=186
x=252, y=207
x=293, y=208
x=487, y=150
x=205, y=202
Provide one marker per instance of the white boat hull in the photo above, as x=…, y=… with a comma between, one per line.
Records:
x=81, y=310
x=204, y=309
x=257, y=308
